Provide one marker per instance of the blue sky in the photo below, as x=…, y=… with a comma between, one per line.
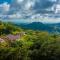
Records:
x=2, y=1
x=29, y=9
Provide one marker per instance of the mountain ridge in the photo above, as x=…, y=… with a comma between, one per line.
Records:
x=41, y=26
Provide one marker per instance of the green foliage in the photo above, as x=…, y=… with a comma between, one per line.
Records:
x=8, y=28
x=34, y=45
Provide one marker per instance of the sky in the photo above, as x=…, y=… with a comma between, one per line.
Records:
x=29, y=9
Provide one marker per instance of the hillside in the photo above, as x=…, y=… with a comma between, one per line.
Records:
x=20, y=44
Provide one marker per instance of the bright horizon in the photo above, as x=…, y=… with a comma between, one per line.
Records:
x=42, y=20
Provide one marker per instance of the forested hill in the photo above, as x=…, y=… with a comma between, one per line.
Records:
x=8, y=28
x=21, y=44
x=41, y=26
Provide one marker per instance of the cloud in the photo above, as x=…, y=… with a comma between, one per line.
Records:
x=28, y=8
x=4, y=8
x=36, y=16
x=57, y=8
x=19, y=1
x=29, y=5
x=53, y=0
x=13, y=16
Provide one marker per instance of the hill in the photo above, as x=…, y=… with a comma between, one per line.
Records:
x=41, y=26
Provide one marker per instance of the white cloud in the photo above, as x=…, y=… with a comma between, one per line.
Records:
x=13, y=16
x=57, y=8
x=29, y=5
x=19, y=1
x=53, y=0
x=36, y=16
x=26, y=8
x=5, y=6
